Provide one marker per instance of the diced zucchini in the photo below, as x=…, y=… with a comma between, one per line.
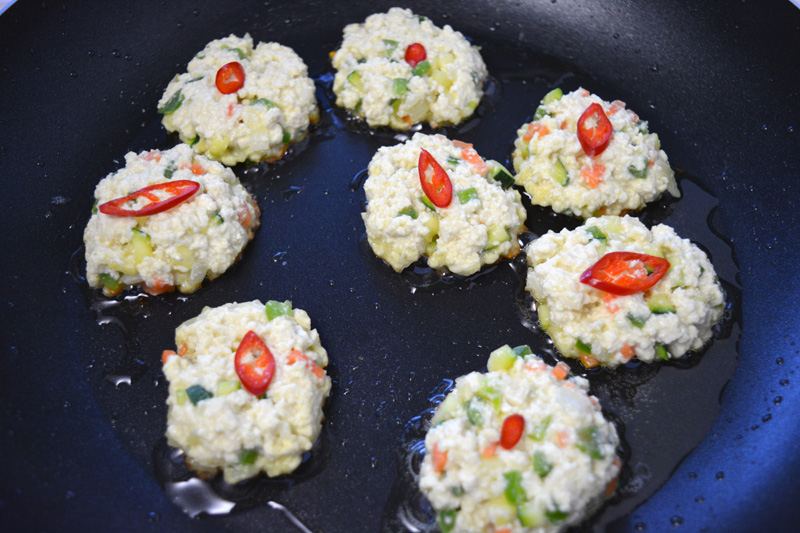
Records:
x=446, y=519
x=544, y=316
x=433, y=226
x=409, y=212
x=226, y=387
x=181, y=397
x=583, y=347
x=172, y=104
x=446, y=409
x=530, y=515
x=194, y=141
x=109, y=281
x=391, y=46
x=186, y=257
x=596, y=234
x=501, y=359
x=467, y=195
x=638, y=322
x=422, y=68
x=541, y=465
x=218, y=146
x=355, y=80
x=399, y=86
x=515, y=492
x=441, y=78
x=247, y=457
x=540, y=430
x=424, y=199
x=142, y=246
x=660, y=304
x=589, y=442
x=559, y=173
x=522, y=350
x=197, y=393
x=357, y=108
x=287, y=137
x=473, y=411
x=395, y=104
x=491, y=394
x=552, y=96
x=276, y=309
x=661, y=351
x=496, y=235
x=269, y=104
x=217, y=219
x=500, y=174
x=94, y=207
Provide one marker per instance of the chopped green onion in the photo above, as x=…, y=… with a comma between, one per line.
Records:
x=584, y=347
x=538, y=432
x=427, y=202
x=476, y=78
x=248, y=457
x=523, y=350
x=446, y=520
x=286, y=137
x=556, y=517
x=515, y=493
x=422, y=68
x=197, y=393
x=355, y=80
x=596, y=234
x=263, y=101
x=276, y=309
x=109, y=281
x=94, y=207
x=217, y=218
x=400, y=86
x=453, y=160
x=491, y=394
x=408, y=211
x=662, y=352
x=361, y=60
x=237, y=50
x=170, y=170
x=641, y=174
x=195, y=140
x=589, y=442
x=467, y=194
x=395, y=103
x=194, y=80
x=391, y=46
x=541, y=465
x=540, y=113
x=457, y=491
x=473, y=413
x=638, y=322
x=172, y=104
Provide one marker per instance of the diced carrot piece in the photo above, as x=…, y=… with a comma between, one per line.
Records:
x=651, y=162
x=165, y=355
x=153, y=155
x=616, y=106
x=635, y=117
x=584, y=92
x=611, y=487
x=627, y=352
x=196, y=169
x=504, y=530
x=564, y=125
x=183, y=349
x=231, y=108
x=469, y=155
x=296, y=355
x=536, y=128
x=439, y=459
x=489, y=450
x=461, y=144
x=592, y=174
x=158, y=286
x=407, y=120
x=589, y=361
x=561, y=370
x=244, y=217
x=562, y=438
x=331, y=54
x=611, y=305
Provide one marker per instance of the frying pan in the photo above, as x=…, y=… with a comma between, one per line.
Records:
x=711, y=443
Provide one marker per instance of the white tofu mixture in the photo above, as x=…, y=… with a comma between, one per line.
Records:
x=374, y=80
x=552, y=166
x=480, y=225
x=664, y=322
x=479, y=475
x=216, y=421
x=202, y=236
x=257, y=122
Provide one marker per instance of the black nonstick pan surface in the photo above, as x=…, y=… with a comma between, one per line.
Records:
x=711, y=443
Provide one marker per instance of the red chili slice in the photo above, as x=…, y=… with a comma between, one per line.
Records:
x=161, y=196
x=415, y=53
x=594, y=130
x=230, y=77
x=513, y=426
x=435, y=182
x=625, y=273
x=254, y=364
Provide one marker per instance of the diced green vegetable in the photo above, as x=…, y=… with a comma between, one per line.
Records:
x=540, y=430
x=541, y=465
x=446, y=520
x=409, y=212
x=467, y=194
x=543, y=310
x=530, y=515
x=355, y=80
x=172, y=104
x=109, y=281
x=540, y=113
x=556, y=517
x=522, y=350
x=357, y=109
x=217, y=219
x=559, y=173
x=660, y=304
x=238, y=51
x=476, y=78
x=424, y=199
x=198, y=78
x=269, y=104
x=422, y=68
x=496, y=235
x=197, y=393
x=194, y=141
x=453, y=160
x=457, y=491
x=142, y=245
x=276, y=309
x=552, y=96
x=596, y=234
x=248, y=457
x=170, y=170
x=501, y=359
x=515, y=493
x=395, y=104
x=501, y=175
x=492, y=395
x=473, y=411
x=226, y=387
x=400, y=86
x=584, y=347
x=636, y=173
x=94, y=207
x=391, y=46
x=638, y=322
x=589, y=442
x=661, y=351
x=446, y=409
x=286, y=137
x=180, y=397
